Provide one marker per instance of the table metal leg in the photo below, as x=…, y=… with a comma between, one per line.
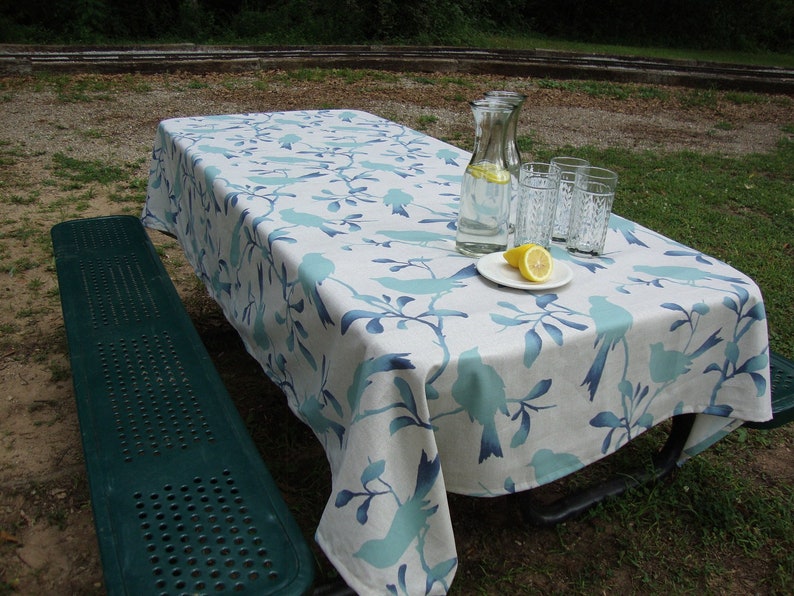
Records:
x=564, y=508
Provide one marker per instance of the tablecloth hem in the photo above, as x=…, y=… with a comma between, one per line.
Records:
x=351, y=579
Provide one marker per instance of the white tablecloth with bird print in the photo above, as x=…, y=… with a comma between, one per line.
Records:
x=328, y=238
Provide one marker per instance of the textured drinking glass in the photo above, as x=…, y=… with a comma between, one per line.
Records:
x=568, y=167
x=593, y=196
x=537, y=201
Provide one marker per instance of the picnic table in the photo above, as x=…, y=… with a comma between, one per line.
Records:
x=327, y=237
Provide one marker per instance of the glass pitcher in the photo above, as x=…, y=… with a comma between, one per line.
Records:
x=512, y=153
x=484, y=211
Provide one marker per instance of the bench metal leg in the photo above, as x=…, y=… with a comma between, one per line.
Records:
x=569, y=506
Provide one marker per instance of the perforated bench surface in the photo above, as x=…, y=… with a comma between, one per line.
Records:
x=182, y=501
x=781, y=373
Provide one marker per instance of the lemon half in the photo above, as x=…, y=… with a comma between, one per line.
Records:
x=513, y=255
x=536, y=264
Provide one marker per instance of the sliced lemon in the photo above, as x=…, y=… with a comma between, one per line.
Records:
x=536, y=264
x=490, y=171
x=513, y=255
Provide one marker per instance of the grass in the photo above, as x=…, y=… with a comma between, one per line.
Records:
x=81, y=172
x=90, y=88
x=592, y=88
x=730, y=57
x=734, y=515
x=671, y=537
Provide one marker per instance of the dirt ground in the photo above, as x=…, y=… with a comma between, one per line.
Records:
x=47, y=540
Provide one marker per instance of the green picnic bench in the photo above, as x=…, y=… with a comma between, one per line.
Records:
x=182, y=501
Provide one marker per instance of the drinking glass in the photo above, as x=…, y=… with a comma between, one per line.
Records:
x=594, y=193
x=537, y=201
x=568, y=166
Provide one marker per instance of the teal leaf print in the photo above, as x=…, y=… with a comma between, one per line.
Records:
x=520, y=436
x=344, y=497
x=732, y=352
x=352, y=316
x=372, y=366
x=757, y=312
x=400, y=582
x=510, y=485
x=540, y=389
x=606, y=420
x=373, y=471
x=550, y=465
x=362, y=512
x=408, y=402
x=532, y=346
x=439, y=572
x=754, y=363
x=710, y=342
x=374, y=326
x=554, y=332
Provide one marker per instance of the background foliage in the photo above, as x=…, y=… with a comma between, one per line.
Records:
x=745, y=25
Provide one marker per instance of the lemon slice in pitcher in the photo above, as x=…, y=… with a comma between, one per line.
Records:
x=536, y=264
x=490, y=171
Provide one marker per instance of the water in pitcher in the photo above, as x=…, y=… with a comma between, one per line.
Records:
x=484, y=209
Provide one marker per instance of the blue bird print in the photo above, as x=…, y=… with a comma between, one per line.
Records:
x=312, y=272
x=428, y=285
x=409, y=522
x=217, y=150
x=668, y=365
x=687, y=274
x=612, y=322
x=448, y=155
x=397, y=199
x=383, y=167
x=627, y=228
x=308, y=220
x=481, y=392
x=312, y=411
x=287, y=140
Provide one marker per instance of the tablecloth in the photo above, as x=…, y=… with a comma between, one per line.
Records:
x=328, y=239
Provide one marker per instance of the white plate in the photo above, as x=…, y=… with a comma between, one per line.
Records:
x=496, y=269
